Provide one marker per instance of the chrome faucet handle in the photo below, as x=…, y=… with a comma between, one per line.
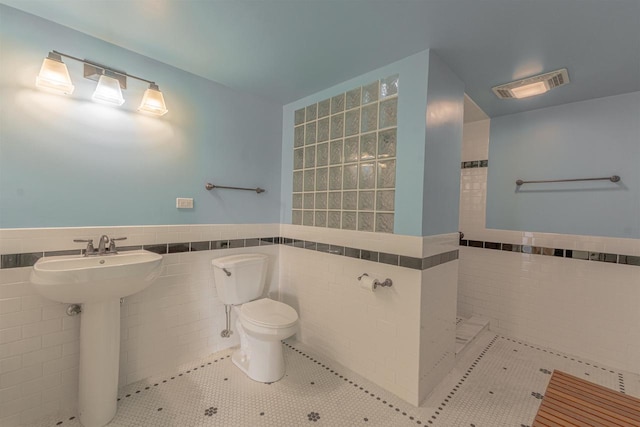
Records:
x=90, y=249
x=112, y=244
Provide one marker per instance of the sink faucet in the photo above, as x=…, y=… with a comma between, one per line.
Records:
x=102, y=244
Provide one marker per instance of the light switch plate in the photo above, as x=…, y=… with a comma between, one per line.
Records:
x=184, y=203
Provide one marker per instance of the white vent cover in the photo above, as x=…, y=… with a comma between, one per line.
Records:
x=534, y=85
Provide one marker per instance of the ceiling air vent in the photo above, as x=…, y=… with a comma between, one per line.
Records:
x=532, y=86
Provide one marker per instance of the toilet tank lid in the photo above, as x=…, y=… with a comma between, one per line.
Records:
x=236, y=260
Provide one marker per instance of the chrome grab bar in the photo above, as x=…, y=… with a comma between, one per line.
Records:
x=210, y=186
x=614, y=178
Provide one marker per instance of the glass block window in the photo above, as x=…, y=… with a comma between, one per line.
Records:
x=344, y=159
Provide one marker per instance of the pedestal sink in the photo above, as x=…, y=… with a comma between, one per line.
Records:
x=98, y=283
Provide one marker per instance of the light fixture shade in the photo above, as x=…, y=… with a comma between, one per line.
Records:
x=108, y=91
x=153, y=102
x=54, y=76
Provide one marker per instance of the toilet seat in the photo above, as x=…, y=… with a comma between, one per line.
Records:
x=268, y=313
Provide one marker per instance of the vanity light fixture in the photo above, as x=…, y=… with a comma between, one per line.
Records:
x=531, y=86
x=55, y=76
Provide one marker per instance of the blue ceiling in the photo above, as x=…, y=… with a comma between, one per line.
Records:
x=286, y=49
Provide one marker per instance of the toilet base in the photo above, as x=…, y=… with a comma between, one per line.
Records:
x=265, y=363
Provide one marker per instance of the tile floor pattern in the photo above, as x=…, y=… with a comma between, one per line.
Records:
x=499, y=381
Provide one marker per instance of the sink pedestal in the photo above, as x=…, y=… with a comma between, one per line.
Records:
x=99, y=362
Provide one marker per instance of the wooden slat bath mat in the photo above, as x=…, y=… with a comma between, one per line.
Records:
x=571, y=401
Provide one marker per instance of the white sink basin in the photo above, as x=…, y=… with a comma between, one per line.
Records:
x=78, y=279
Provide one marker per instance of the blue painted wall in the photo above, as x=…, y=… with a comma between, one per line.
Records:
x=443, y=142
x=412, y=95
x=428, y=153
x=598, y=137
x=66, y=161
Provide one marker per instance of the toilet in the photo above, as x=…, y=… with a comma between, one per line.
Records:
x=262, y=322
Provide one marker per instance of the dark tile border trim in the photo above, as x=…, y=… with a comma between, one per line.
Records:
x=556, y=252
x=29, y=259
x=474, y=164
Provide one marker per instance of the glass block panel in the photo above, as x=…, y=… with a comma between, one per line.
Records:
x=387, y=174
x=368, y=146
x=296, y=201
x=350, y=177
x=385, y=200
x=307, y=217
x=367, y=175
x=389, y=86
x=369, y=118
x=365, y=200
x=365, y=221
x=321, y=200
x=352, y=122
x=309, y=198
x=321, y=179
x=335, y=200
x=296, y=217
x=298, y=158
x=323, y=130
x=321, y=219
x=387, y=143
x=384, y=223
x=388, y=113
x=298, y=117
x=324, y=108
x=353, y=98
x=336, y=155
x=337, y=103
x=322, y=154
x=350, y=200
x=309, y=179
x=297, y=181
x=310, y=156
x=310, y=133
x=333, y=220
x=335, y=178
x=298, y=136
x=337, y=126
x=351, y=149
x=348, y=220
x=370, y=93
x=312, y=112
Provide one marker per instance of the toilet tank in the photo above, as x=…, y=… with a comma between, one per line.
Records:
x=240, y=278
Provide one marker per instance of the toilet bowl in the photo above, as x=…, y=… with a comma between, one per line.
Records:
x=262, y=324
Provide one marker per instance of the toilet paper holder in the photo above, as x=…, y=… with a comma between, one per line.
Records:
x=386, y=284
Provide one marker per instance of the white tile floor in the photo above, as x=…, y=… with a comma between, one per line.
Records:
x=498, y=381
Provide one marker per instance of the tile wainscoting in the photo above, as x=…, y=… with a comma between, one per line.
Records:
x=401, y=338
x=176, y=320
x=179, y=318
x=582, y=303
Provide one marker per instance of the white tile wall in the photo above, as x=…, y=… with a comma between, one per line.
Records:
x=591, y=309
x=374, y=333
x=437, y=325
x=377, y=334
x=177, y=319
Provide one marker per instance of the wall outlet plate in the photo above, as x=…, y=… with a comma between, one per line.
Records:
x=184, y=203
